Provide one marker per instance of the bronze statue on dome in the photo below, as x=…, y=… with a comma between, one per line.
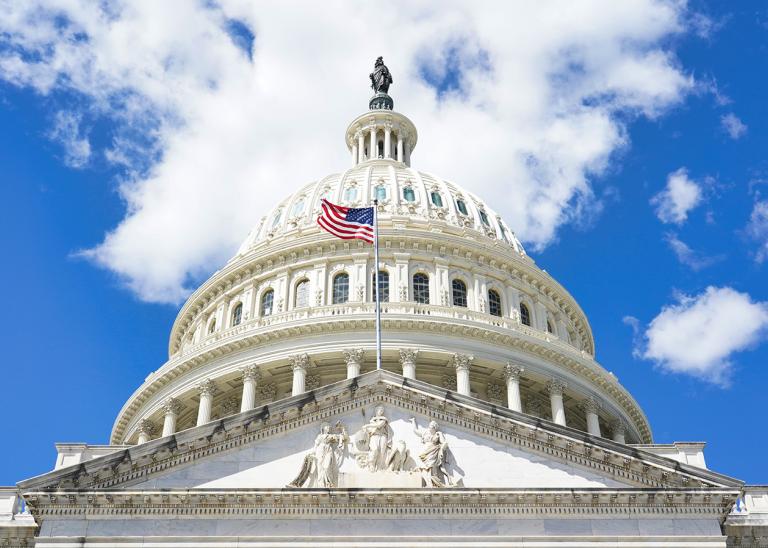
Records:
x=381, y=78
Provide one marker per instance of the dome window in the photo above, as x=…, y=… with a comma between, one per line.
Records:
x=421, y=288
x=350, y=194
x=276, y=219
x=212, y=326
x=237, y=314
x=549, y=327
x=302, y=294
x=383, y=286
x=484, y=218
x=340, y=288
x=494, y=303
x=462, y=207
x=267, y=300
x=408, y=194
x=525, y=315
x=437, y=200
x=459, y=293
x=503, y=231
x=298, y=207
x=381, y=192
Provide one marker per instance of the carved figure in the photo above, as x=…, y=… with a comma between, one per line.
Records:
x=380, y=77
x=398, y=458
x=433, y=456
x=374, y=440
x=320, y=467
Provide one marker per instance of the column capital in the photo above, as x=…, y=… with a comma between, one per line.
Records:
x=618, y=426
x=590, y=405
x=299, y=361
x=146, y=426
x=354, y=356
x=462, y=361
x=556, y=387
x=171, y=406
x=251, y=372
x=206, y=388
x=408, y=355
x=513, y=371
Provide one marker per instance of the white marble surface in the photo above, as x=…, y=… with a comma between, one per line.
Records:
x=481, y=462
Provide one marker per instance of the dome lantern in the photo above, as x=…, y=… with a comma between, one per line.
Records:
x=381, y=133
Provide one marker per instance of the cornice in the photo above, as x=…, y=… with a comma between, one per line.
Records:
x=503, y=332
x=266, y=503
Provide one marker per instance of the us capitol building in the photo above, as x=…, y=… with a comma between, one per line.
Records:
x=489, y=424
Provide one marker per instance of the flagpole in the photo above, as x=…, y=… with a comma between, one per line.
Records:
x=376, y=274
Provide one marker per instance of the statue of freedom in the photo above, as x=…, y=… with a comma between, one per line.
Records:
x=380, y=77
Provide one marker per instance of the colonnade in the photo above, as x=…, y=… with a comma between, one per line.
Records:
x=401, y=151
x=353, y=357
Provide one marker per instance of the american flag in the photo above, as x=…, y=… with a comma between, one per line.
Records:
x=347, y=223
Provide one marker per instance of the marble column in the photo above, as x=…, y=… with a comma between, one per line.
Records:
x=555, y=388
x=619, y=429
x=146, y=429
x=360, y=146
x=207, y=389
x=388, y=141
x=354, y=359
x=251, y=377
x=408, y=361
x=462, y=362
x=591, y=408
x=300, y=363
x=355, y=154
x=399, y=147
x=171, y=410
x=512, y=375
x=373, y=153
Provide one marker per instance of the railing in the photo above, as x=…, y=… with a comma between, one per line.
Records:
x=392, y=308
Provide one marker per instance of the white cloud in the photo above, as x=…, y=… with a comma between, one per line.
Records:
x=698, y=335
x=757, y=229
x=733, y=126
x=687, y=256
x=66, y=131
x=212, y=130
x=680, y=196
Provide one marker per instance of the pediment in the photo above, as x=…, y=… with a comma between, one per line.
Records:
x=490, y=447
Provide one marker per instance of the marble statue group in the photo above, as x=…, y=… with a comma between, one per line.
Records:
x=375, y=450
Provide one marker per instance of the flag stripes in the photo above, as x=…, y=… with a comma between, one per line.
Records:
x=347, y=223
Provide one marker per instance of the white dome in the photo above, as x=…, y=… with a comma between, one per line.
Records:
x=460, y=293
x=403, y=192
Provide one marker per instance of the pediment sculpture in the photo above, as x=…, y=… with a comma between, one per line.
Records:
x=377, y=455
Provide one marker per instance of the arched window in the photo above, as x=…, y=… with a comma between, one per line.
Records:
x=383, y=286
x=212, y=326
x=462, y=207
x=340, y=288
x=237, y=314
x=298, y=207
x=459, y=293
x=302, y=294
x=549, y=327
x=437, y=200
x=525, y=315
x=421, y=288
x=408, y=194
x=267, y=300
x=484, y=217
x=494, y=303
x=276, y=218
x=350, y=193
x=381, y=192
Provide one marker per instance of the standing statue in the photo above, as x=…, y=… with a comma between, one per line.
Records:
x=320, y=467
x=433, y=456
x=380, y=77
x=374, y=441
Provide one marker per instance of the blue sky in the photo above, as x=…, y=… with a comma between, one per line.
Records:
x=81, y=331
